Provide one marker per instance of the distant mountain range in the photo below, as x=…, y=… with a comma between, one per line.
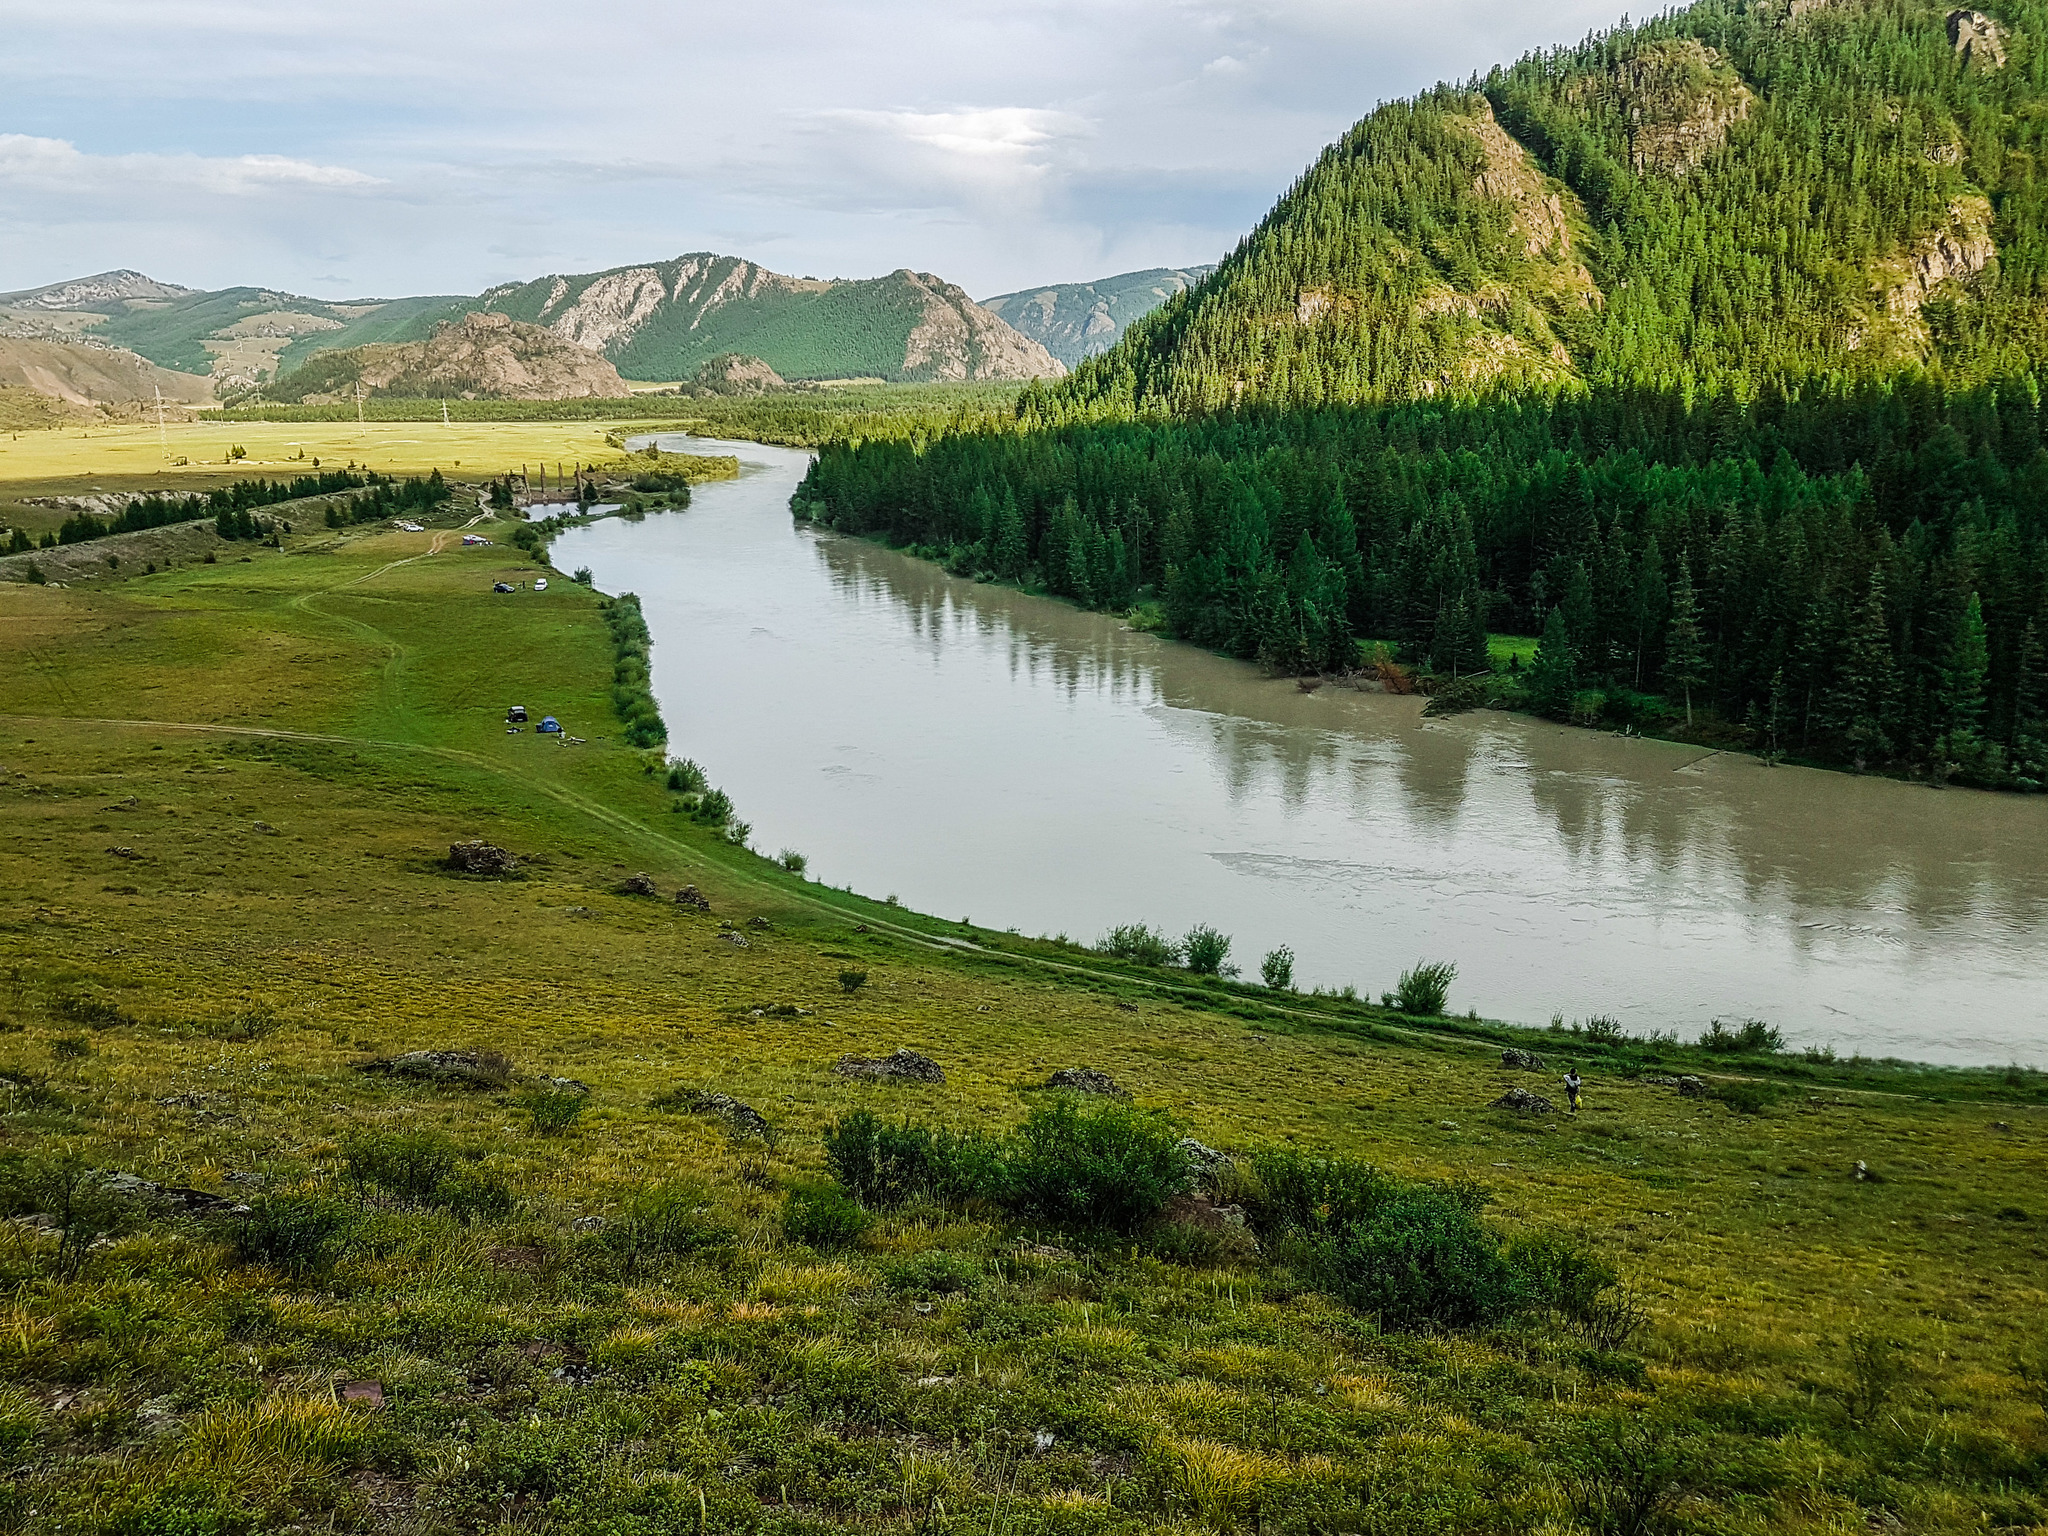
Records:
x=123, y=335
x=1077, y=321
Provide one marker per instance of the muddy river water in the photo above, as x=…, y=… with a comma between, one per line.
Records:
x=983, y=754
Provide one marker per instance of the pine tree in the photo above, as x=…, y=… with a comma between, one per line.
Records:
x=1864, y=701
x=1554, y=671
x=1009, y=555
x=1685, y=656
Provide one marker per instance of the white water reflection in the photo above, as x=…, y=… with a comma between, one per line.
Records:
x=980, y=753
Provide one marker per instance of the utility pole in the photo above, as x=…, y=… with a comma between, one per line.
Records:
x=359, y=402
x=162, y=437
x=444, y=413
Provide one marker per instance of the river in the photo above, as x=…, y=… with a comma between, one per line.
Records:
x=982, y=754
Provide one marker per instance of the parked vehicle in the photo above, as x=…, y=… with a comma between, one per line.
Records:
x=501, y=586
x=516, y=715
x=540, y=584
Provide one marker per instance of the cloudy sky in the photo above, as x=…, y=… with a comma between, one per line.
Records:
x=440, y=146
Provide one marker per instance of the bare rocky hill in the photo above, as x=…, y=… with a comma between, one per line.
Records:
x=483, y=356
x=1077, y=321
x=84, y=374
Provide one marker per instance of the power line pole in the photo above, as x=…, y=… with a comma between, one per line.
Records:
x=162, y=437
x=359, y=402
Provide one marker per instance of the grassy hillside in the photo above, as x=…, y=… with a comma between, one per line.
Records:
x=230, y=791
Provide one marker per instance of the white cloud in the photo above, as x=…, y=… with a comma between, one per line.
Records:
x=57, y=165
x=1001, y=143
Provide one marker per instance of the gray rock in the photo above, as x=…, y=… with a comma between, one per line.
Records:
x=1521, y=1061
x=901, y=1066
x=477, y=857
x=735, y=938
x=1522, y=1102
x=1206, y=1161
x=689, y=896
x=742, y=1120
x=588, y=1224
x=470, y=1069
x=1690, y=1087
x=637, y=885
x=1086, y=1080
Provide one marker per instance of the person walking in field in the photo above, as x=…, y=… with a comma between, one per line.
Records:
x=1572, y=1084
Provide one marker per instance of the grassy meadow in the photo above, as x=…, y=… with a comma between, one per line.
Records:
x=568, y=1299
x=78, y=460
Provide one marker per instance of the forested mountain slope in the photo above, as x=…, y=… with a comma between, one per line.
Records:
x=664, y=320
x=1737, y=195
x=1711, y=349
x=1077, y=321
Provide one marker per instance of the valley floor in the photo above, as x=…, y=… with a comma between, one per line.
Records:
x=229, y=794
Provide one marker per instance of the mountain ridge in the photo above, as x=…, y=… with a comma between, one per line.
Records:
x=1077, y=321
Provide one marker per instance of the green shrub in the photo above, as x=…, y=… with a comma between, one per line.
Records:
x=76, y=1202
x=1136, y=942
x=852, y=981
x=1277, y=969
x=425, y=1170
x=294, y=1234
x=1750, y=1037
x=406, y=1168
x=1624, y=1476
x=553, y=1109
x=687, y=778
x=823, y=1217
x=886, y=1165
x=1288, y=1187
x=70, y=1047
x=1423, y=989
x=932, y=1273
x=1206, y=952
x=666, y=1221
x=1108, y=1165
x=1423, y=1257
x=792, y=861
x=1748, y=1098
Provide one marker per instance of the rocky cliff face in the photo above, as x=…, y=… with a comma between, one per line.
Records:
x=664, y=321
x=1979, y=42
x=481, y=357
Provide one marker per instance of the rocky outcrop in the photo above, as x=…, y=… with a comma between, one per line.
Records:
x=899, y=1066
x=477, y=857
x=1085, y=1080
x=468, y=1069
x=1521, y=1061
x=1521, y=1101
x=1957, y=250
x=1979, y=41
x=482, y=356
x=1677, y=99
x=958, y=340
x=734, y=373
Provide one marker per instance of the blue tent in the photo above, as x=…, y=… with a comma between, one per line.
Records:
x=550, y=726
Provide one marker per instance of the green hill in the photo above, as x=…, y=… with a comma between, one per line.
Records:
x=1709, y=349
x=1077, y=321
x=1730, y=197
x=663, y=321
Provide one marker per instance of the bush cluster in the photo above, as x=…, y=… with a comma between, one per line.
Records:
x=1098, y=1167
x=631, y=695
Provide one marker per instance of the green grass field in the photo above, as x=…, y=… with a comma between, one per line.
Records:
x=229, y=793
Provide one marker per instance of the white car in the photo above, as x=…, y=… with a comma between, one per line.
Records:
x=540, y=584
